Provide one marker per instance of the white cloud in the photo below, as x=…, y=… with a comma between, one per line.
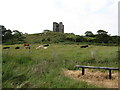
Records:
x=78, y=16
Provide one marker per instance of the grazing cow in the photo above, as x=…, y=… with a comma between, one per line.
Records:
x=46, y=45
x=84, y=46
x=17, y=47
x=6, y=47
x=27, y=46
x=41, y=46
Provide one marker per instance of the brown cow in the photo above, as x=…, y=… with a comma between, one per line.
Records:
x=27, y=46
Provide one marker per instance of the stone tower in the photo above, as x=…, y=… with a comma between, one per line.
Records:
x=58, y=27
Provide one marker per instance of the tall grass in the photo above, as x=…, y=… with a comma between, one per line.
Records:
x=42, y=68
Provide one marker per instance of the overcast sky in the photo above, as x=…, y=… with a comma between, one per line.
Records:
x=78, y=16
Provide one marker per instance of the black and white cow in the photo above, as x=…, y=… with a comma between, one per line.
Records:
x=46, y=45
x=17, y=47
x=84, y=46
x=6, y=47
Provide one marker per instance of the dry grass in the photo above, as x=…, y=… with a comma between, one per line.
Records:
x=98, y=78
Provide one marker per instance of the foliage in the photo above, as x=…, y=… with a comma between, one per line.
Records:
x=101, y=32
x=70, y=37
x=45, y=31
x=11, y=37
x=48, y=36
x=89, y=34
x=102, y=37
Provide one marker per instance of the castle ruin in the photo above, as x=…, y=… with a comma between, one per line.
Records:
x=58, y=27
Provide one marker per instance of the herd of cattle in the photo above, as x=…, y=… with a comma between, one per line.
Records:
x=27, y=46
x=45, y=46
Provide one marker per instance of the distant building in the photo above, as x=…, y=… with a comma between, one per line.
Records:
x=58, y=27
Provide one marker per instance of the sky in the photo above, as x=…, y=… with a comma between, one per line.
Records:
x=78, y=16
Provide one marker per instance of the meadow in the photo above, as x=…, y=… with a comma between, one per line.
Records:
x=43, y=68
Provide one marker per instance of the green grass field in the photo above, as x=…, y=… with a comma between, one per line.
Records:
x=43, y=68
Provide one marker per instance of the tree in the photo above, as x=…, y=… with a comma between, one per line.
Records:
x=45, y=31
x=2, y=29
x=17, y=34
x=115, y=39
x=80, y=39
x=101, y=32
x=70, y=37
x=11, y=37
x=102, y=36
x=7, y=35
x=89, y=34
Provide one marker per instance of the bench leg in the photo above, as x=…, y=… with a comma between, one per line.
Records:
x=110, y=76
x=83, y=71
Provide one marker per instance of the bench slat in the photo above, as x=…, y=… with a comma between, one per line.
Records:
x=93, y=67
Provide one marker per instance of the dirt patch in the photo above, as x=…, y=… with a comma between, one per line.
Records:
x=94, y=77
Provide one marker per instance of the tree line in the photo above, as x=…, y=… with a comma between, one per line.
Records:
x=11, y=37
x=48, y=36
x=101, y=37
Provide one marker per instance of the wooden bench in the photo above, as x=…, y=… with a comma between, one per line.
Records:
x=93, y=67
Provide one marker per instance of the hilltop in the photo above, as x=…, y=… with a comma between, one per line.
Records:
x=70, y=38
x=47, y=36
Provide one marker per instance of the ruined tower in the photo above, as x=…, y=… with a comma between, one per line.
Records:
x=58, y=27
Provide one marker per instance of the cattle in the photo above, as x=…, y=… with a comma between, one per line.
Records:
x=46, y=45
x=6, y=47
x=17, y=47
x=84, y=46
x=43, y=46
x=27, y=46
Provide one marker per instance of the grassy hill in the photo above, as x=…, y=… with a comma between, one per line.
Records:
x=62, y=38
x=55, y=37
x=49, y=37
